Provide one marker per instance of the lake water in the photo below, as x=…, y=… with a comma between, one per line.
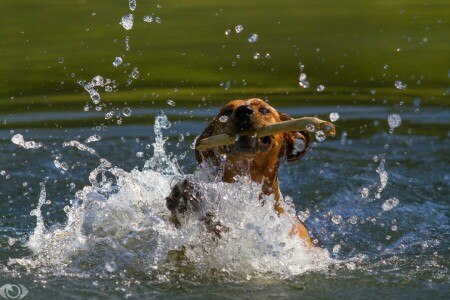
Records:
x=83, y=179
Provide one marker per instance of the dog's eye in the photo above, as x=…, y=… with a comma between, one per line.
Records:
x=264, y=111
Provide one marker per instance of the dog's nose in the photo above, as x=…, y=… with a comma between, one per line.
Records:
x=243, y=112
x=243, y=118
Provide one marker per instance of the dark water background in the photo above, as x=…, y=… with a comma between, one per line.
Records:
x=357, y=50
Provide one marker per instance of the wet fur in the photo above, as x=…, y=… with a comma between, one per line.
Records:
x=257, y=158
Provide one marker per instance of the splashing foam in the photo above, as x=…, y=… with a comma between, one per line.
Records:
x=120, y=223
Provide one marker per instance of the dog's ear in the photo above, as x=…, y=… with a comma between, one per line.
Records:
x=201, y=155
x=296, y=143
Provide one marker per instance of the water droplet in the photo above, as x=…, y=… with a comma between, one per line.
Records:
x=390, y=204
x=127, y=21
x=253, y=38
x=126, y=112
x=256, y=55
x=17, y=139
x=320, y=88
x=171, y=102
x=336, y=219
x=310, y=128
x=139, y=154
x=127, y=43
x=148, y=19
x=135, y=73
x=302, y=80
x=227, y=32
x=334, y=116
x=98, y=81
x=93, y=138
x=364, y=192
x=336, y=249
x=223, y=118
x=132, y=4
x=227, y=85
x=158, y=20
x=394, y=120
x=117, y=61
x=238, y=28
x=61, y=60
x=109, y=115
x=400, y=85
x=108, y=89
x=320, y=136
x=95, y=96
x=394, y=228
x=386, y=66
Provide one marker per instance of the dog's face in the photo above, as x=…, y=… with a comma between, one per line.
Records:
x=238, y=116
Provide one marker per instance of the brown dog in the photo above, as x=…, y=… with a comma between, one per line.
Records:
x=258, y=158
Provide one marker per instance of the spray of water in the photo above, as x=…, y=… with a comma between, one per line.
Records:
x=119, y=224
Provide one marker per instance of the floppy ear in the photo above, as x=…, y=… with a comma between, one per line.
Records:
x=201, y=155
x=296, y=143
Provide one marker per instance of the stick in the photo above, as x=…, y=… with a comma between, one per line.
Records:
x=305, y=123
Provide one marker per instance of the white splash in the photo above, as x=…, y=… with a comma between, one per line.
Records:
x=384, y=176
x=20, y=141
x=79, y=146
x=127, y=21
x=120, y=223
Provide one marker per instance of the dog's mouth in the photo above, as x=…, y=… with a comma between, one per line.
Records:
x=249, y=145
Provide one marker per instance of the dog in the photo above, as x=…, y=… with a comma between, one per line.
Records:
x=257, y=158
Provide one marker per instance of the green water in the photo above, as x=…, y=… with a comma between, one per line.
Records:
x=344, y=46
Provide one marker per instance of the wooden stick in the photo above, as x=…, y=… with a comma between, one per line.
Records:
x=305, y=123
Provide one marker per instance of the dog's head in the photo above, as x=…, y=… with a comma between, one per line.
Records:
x=238, y=116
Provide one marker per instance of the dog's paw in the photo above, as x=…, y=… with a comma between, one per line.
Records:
x=183, y=198
x=213, y=225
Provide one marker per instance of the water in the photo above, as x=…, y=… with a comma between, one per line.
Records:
x=106, y=226
x=252, y=38
x=127, y=21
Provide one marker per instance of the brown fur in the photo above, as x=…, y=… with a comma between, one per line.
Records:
x=256, y=158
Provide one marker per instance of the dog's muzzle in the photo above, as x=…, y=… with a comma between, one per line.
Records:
x=249, y=145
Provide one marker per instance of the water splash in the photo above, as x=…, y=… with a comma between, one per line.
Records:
x=253, y=38
x=132, y=4
x=302, y=79
x=79, y=146
x=120, y=224
x=127, y=21
x=117, y=61
x=239, y=28
x=334, y=116
x=384, y=176
x=148, y=19
x=20, y=141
